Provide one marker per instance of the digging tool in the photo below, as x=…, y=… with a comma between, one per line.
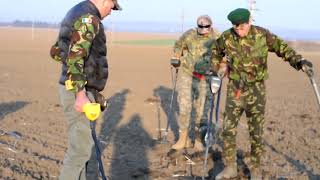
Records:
x=314, y=85
x=92, y=112
x=174, y=80
x=215, y=86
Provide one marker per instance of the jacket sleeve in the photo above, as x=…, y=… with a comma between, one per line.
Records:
x=217, y=53
x=180, y=45
x=85, y=30
x=282, y=49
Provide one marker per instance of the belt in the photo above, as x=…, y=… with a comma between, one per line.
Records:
x=199, y=76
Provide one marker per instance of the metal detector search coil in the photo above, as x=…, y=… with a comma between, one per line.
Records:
x=92, y=111
x=215, y=83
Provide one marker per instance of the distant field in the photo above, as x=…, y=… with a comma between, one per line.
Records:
x=298, y=45
x=152, y=42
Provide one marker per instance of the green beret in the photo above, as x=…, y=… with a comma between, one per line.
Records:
x=239, y=16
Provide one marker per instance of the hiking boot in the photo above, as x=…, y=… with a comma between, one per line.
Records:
x=183, y=141
x=230, y=171
x=198, y=146
x=255, y=173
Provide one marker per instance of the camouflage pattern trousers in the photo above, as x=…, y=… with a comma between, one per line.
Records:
x=192, y=93
x=252, y=101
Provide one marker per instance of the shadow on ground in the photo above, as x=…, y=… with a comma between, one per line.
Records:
x=10, y=107
x=296, y=163
x=131, y=143
x=164, y=94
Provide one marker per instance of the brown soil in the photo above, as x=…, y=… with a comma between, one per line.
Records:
x=33, y=129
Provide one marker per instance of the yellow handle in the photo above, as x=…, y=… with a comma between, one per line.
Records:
x=92, y=111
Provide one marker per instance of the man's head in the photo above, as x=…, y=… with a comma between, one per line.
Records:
x=240, y=18
x=204, y=24
x=105, y=6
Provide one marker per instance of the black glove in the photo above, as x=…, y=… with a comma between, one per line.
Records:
x=175, y=63
x=306, y=67
x=102, y=101
x=99, y=98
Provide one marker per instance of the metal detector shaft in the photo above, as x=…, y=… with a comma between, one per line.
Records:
x=171, y=101
x=96, y=142
x=218, y=107
x=208, y=138
x=98, y=150
x=316, y=90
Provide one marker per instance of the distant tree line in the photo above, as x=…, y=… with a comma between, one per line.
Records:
x=172, y=27
x=37, y=24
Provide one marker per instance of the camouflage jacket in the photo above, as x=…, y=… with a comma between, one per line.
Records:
x=81, y=47
x=86, y=28
x=193, y=50
x=247, y=57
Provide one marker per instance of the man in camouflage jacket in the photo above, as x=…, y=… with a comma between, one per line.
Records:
x=192, y=52
x=246, y=48
x=81, y=48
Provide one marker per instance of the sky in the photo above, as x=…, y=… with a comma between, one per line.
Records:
x=290, y=14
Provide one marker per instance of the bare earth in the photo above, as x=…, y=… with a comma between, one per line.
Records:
x=33, y=129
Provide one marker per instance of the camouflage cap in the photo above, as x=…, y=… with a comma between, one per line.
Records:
x=116, y=5
x=239, y=16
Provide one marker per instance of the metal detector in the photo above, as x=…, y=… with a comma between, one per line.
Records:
x=174, y=80
x=215, y=87
x=92, y=112
x=98, y=150
x=314, y=85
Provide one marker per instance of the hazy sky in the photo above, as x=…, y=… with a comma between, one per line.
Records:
x=295, y=14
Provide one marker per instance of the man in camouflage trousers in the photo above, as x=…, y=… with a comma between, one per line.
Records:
x=81, y=48
x=192, y=52
x=246, y=48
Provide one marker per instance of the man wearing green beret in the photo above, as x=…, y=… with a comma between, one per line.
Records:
x=246, y=48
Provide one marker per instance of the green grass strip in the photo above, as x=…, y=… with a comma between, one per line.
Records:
x=152, y=42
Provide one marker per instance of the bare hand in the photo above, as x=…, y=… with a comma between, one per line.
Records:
x=222, y=72
x=81, y=100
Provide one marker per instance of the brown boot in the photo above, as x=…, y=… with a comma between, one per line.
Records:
x=255, y=173
x=229, y=171
x=198, y=146
x=183, y=142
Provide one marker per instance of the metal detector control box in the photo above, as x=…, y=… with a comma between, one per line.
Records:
x=215, y=83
